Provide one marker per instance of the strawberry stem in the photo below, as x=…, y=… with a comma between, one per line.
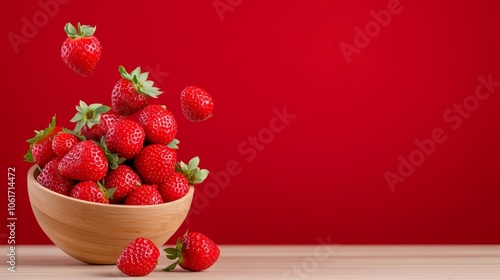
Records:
x=81, y=32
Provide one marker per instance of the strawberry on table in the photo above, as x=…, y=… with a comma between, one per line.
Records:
x=81, y=50
x=159, y=124
x=144, y=195
x=85, y=162
x=124, y=180
x=139, y=258
x=40, y=151
x=90, y=191
x=155, y=163
x=177, y=185
x=51, y=178
x=194, y=252
x=196, y=104
x=131, y=93
x=94, y=120
x=126, y=138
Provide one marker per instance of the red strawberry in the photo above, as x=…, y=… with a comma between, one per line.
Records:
x=85, y=162
x=94, y=120
x=196, y=104
x=90, y=191
x=194, y=252
x=51, y=178
x=139, y=258
x=40, y=150
x=81, y=50
x=63, y=142
x=177, y=185
x=155, y=163
x=158, y=123
x=131, y=93
x=126, y=138
x=144, y=195
x=124, y=180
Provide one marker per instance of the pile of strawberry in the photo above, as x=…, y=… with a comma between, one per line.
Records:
x=125, y=153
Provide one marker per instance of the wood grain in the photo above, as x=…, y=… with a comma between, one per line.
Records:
x=286, y=262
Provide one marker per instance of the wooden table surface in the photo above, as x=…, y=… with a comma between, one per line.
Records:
x=283, y=262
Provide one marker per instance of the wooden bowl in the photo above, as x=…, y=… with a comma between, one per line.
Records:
x=97, y=233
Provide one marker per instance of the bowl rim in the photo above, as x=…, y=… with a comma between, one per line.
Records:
x=32, y=179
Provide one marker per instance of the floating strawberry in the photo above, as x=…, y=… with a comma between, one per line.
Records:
x=63, y=142
x=91, y=191
x=85, y=162
x=94, y=120
x=51, y=178
x=159, y=124
x=155, y=163
x=131, y=93
x=139, y=258
x=81, y=50
x=194, y=252
x=196, y=104
x=144, y=195
x=40, y=151
x=177, y=185
x=123, y=179
x=126, y=138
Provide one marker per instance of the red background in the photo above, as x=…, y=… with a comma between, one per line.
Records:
x=322, y=173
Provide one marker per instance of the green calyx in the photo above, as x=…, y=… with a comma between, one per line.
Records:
x=191, y=171
x=108, y=193
x=174, y=254
x=39, y=135
x=81, y=31
x=174, y=144
x=113, y=159
x=89, y=115
x=140, y=81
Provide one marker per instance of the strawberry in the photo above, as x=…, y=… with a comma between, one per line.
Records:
x=155, y=163
x=144, y=195
x=177, y=185
x=159, y=124
x=51, y=178
x=40, y=151
x=126, y=138
x=124, y=180
x=196, y=104
x=81, y=50
x=85, y=162
x=63, y=142
x=131, y=93
x=194, y=252
x=90, y=191
x=139, y=258
x=94, y=120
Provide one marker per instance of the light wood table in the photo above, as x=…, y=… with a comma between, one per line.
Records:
x=283, y=262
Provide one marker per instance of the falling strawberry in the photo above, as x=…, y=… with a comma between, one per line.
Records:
x=81, y=50
x=40, y=151
x=144, y=195
x=177, y=185
x=51, y=178
x=126, y=138
x=63, y=142
x=155, y=163
x=131, y=93
x=194, y=252
x=139, y=258
x=159, y=124
x=85, y=162
x=94, y=120
x=196, y=104
x=124, y=180
x=91, y=191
